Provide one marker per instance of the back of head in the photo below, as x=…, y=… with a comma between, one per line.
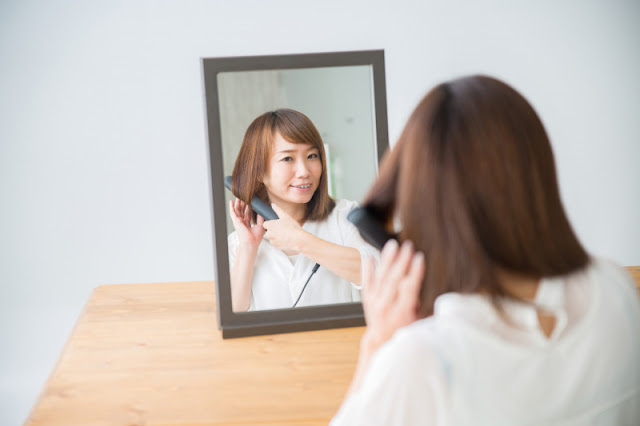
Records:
x=472, y=180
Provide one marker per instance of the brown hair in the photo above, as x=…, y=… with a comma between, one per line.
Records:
x=472, y=180
x=253, y=159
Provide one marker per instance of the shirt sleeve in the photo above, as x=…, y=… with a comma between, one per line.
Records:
x=232, y=243
x=405, y=384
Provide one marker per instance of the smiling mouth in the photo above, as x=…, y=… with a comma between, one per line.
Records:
x=308, y=185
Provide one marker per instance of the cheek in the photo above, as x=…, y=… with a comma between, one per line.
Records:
x=278, y=174
x=317, y=170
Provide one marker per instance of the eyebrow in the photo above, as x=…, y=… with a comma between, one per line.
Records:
x=288, y=151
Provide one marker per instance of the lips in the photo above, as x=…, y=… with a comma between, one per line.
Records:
x=303, y=186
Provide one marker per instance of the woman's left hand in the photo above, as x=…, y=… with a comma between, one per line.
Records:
x=283, y=233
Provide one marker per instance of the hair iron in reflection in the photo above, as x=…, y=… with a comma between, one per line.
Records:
x=370, y=227
x=257, y=204
x=268, y=214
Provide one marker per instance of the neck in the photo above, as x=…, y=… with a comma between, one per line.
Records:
x=523, y=287
x=296, y=211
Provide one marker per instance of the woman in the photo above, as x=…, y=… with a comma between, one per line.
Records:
x=282, y=161
x=490, y=312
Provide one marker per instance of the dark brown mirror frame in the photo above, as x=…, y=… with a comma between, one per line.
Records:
x=239, y=324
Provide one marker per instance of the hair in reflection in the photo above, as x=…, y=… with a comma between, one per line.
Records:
x=472, y=180
x=253, y=158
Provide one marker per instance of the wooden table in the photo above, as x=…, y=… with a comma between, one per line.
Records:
x=152, y=354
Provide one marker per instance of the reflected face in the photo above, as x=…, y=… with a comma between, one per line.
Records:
x=293, y=175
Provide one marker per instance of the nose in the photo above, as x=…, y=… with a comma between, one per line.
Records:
x=302, y=171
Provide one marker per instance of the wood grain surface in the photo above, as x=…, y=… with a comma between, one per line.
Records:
x=151, y=354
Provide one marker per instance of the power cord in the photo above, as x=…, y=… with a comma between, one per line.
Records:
x=315, y=268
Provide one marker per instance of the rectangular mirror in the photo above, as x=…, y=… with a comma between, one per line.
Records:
x=342, y=95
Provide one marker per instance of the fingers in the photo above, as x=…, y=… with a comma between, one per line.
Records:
x=402, y=262
x=266, y=225
x=275, y=223
x=236, y=217
x=233, y=212
x=247, y=214
x=390, y=297
x=397, y=270
x=386, y=258
x=412, y=283
x=238, y=209
x=240, y=213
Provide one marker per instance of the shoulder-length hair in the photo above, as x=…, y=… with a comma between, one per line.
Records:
x=252, y=162
x=472, y=180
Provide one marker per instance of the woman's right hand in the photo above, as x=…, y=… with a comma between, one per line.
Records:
x=390, y=299
x=391, y=294
x=240, y=214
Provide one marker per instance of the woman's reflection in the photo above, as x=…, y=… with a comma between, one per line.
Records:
x=282, y=161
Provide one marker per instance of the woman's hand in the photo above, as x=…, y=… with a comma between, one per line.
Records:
x=248, y=235
x=390, y=296
x=283, y=233
x=390, y=299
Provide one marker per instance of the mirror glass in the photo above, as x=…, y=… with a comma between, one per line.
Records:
x=340, y=93
x=339, y=102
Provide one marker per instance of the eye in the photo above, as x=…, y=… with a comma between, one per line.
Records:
x=314, y=155
x=286, y=159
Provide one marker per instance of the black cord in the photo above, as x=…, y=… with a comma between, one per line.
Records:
x=315, y=268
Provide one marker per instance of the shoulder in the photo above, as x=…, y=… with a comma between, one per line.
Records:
x=407, y=377
x=346, y=204
x=610, y=281
x=342, y=210
x=417, y=343
x=602, y=272
x=417, y=356
x=606, y=268
x=343, y=207
x=338, y=216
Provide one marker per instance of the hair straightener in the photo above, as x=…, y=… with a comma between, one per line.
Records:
x=257, y=204
x=370, y=227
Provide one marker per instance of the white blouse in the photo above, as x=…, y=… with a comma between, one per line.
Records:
x=278, y=279
x=467, y=366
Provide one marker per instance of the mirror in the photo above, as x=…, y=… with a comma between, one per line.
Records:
x=343, y=95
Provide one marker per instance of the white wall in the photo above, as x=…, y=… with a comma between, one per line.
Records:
x=103, y=168
x=339, y=102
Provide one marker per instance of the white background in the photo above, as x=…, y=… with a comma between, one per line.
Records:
x=103, y=166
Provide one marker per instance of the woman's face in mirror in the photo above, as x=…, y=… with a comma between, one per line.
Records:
x=293, y=176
